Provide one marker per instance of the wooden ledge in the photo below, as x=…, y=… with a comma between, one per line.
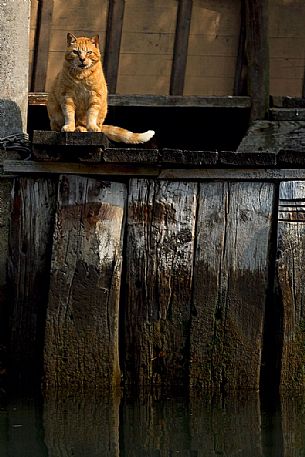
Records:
x=40, y=98
x=117, y=171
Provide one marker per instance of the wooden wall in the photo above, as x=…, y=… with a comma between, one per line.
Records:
x=147, y=43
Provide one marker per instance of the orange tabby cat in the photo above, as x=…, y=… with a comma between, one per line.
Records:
x=78, y=99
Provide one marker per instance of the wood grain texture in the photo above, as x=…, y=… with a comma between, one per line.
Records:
x=290, y=272
x=159, y=253
x=183, y=24
x=231, y=262
x=258, y=56
x=41, y=43
x=30, y=244
x=81, y=340
x=113, y=42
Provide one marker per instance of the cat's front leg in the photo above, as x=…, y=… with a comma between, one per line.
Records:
x=68, y=109
x=92, y=116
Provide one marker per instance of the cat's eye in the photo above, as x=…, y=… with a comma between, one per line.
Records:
x=89, y=52
x=75, y=51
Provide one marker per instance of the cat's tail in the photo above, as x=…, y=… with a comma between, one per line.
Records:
x=120, y=135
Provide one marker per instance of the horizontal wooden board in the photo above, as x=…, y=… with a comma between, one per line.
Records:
x=285, y=68
x=287, y=47
x=208, y=86
x=210, y=66
x=40, y=98
x=145, y=65
x=147, y=43
x=289, y=87
x=147, y=17
x=210, y=45
x=70, y=16
x=215, y=18
x=138, y=85
x=286, y=19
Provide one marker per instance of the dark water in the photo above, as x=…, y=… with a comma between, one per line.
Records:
x=151, y=426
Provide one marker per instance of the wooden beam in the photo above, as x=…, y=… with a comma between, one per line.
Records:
x=184, y=15
x=41, y=45
x=113, y=42
x=20, y=167
x=258, y=56
x=180, y=101
x=29, y=167
x=240, y=78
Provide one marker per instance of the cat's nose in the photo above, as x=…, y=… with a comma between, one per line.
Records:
x=82, y=59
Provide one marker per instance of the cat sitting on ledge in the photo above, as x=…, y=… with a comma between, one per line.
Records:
x=78, y=99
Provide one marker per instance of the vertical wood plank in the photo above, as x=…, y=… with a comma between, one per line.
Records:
x=160, y=248
x=113, y=42
x=41, y=45
x=30, y=244
x=184, y=15
x=81, y=341
x=240, y=77
x=230, y=282
x=258, y=56
x=81, y=425
x=291, y=280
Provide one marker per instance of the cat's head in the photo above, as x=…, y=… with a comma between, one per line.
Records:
x=82, y=52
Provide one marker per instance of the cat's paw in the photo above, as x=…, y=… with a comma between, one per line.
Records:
x=93, y=128
x=80, y=128
x=68, y=128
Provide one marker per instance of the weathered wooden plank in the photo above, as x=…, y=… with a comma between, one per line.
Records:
x=179, y=156
x=30, y=244
x=81, y=340
x=40, y=98
x=240, y=77
x=81, y=424
x=48, y=138
x=113, y=42
x=42, y=41
x=183, y=24
x=159, y=256
x=231, y=261
x=258, y=56
x=271, y=136
x=290, y=272
x=267, y=174
x=104, y=169
x=287, y=114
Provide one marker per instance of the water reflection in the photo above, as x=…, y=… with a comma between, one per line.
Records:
x=151, y=425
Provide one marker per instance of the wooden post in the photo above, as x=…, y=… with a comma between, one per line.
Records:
x=230, y=282
x=30, y=244
x=81, y=339
x=184, y=15
x=159, y=252
x=258, y=56
x=41, y=46
x=291, y=283
x=113, y=43
x=240, y=77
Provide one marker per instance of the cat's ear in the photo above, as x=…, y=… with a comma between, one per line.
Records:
x=95, y=40
x=71, y=39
